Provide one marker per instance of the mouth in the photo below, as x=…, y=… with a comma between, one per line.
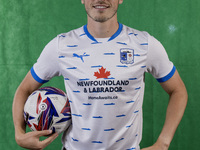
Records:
x=101, y=6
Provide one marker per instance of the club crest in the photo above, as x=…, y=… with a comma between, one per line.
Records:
x=126, y=56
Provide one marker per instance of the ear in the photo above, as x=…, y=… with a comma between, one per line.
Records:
x=120, y=1
x=83, y=1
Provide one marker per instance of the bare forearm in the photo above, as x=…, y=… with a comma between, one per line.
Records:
x=18, y=106
x=175, y=111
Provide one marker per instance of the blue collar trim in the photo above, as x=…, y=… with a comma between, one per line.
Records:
x=116, y=33
x=111, y=38
x=88, y=34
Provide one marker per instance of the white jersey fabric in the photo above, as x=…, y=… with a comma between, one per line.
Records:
x=104, y=80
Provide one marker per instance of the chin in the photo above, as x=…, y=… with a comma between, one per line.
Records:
x=101, y=19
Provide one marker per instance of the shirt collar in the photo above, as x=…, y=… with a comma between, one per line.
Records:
x=110, y=39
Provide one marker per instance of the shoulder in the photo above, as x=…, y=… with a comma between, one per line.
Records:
x=140, y=38
x=70, y=38
x=135, y=32
x=73, y=33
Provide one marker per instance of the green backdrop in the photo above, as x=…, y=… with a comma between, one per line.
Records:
x=26, y=26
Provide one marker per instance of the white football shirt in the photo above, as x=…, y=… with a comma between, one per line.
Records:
x=104, y=80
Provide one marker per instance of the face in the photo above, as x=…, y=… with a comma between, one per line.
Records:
x=101, y=10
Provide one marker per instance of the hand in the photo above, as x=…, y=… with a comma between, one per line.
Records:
x=157, y=146
x=154, y=148
x=31, y=140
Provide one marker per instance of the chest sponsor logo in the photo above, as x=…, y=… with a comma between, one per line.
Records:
x=104, y=85
x=126, y=56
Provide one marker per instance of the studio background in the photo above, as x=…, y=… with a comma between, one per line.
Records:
x=26, y=26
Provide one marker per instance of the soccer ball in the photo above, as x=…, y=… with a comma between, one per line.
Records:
x=48, y=108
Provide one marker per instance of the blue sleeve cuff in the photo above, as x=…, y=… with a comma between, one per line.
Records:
x=35, y=76
x=167, y=77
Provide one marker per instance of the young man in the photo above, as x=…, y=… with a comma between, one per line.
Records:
x=103, y=64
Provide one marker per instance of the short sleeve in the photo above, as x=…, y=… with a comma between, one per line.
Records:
x=47, y=65
x=158, y=63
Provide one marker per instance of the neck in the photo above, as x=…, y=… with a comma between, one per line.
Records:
x=102, y=30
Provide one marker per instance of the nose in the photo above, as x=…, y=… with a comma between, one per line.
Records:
x=101, y=1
